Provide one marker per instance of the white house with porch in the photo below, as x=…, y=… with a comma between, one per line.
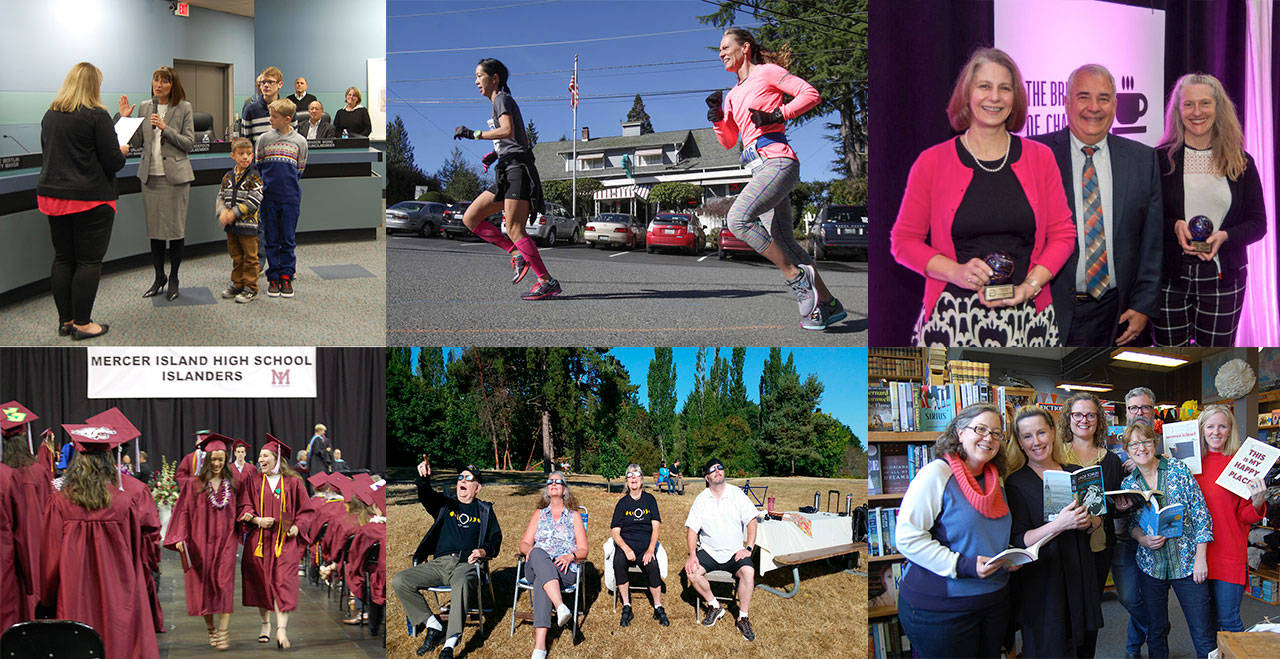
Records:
x=631, y=164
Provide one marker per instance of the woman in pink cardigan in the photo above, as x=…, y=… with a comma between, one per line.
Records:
x=985, y=192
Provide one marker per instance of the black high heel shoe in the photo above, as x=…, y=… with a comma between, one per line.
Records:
x=173, y=289
x=155, y=288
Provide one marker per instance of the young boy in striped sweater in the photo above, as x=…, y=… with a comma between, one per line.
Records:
x=282, y=155
x=237, y=207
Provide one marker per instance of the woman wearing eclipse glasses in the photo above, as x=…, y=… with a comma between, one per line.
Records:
x=555, y=538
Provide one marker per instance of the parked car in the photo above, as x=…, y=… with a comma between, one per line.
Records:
x=620, y=229
x=730, y=243
x=677, y=230
x=839, y=230
x=422, y=217
x=453, y=226
x=552, y=226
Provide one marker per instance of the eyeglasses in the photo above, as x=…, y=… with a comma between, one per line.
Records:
x=984, y=431
x=268, y=82
x=466, y=477
x=1081, y=416
x=1146, y=442
x=555, y=481
x=633, y=473
x=1135, y=409
x=715, y=468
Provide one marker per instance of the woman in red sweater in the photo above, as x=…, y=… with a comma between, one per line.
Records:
x=1232, y=516
x=984, y=193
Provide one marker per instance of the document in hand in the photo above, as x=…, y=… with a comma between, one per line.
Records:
x=126, y=127
x=1165, y=521
x=1019, y=556
x=1253, y=460
x=1182, y=440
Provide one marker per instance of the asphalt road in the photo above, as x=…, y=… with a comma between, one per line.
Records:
x=458, y=293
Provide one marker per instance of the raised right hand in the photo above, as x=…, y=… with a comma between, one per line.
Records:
x=424, y=467
x=125, y=109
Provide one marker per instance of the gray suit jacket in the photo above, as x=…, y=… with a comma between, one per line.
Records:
x=1138, y=227
x=324, y=130
x=175, y=142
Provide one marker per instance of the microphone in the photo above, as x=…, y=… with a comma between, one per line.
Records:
x=15, y=141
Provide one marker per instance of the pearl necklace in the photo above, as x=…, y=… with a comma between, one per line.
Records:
x=964, y=139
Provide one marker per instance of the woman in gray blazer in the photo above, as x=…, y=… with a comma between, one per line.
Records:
x=166, y=138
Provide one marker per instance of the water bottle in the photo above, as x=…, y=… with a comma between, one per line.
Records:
x=817, y=501
x=848, y=504
x=584, y=513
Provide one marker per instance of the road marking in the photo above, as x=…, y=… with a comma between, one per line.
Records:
x=618, y=254
x=471, y=244
x=630, y=330
x=705, y=258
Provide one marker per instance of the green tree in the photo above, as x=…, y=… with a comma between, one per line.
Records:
x=662, y=397
x=675, y=196
x=840, y=75
x=460, y=178
x=532, y=132
x=786, y=417
x=402, y=174
x=637, y=113
x=830, y=439
x=561, y=192
x=612, y=463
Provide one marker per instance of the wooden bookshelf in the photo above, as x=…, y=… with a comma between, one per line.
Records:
x=882, y=612
x=885, y=558
x=890, y=437
x=1272, y=396
x=872, y=498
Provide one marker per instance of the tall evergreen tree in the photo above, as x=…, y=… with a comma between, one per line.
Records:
x=662, y=397
x=460, y=178
x=637, y=113
x=402, y=173
x=532, y=132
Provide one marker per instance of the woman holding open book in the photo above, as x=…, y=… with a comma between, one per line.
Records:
x=1057, y=601
x=1082, y=430
x=953, y=600
x=1177, y=561
x=1232, y=516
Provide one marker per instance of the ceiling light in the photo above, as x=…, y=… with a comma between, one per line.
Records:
x=1152, y=358
x=1096, y=387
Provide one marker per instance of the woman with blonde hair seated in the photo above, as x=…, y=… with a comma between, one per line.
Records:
x=554, y=539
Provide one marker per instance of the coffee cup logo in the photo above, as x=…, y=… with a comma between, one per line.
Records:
x=1130, y=107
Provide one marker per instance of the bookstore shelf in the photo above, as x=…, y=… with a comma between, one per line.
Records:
x=882, y=612
x=885, y=558
x=887, y=437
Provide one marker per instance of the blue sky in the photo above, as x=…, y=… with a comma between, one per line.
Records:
x=842, y=371
x=446, y=79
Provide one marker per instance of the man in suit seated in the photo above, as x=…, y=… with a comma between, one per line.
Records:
x=1110, y=286
x=318, y=126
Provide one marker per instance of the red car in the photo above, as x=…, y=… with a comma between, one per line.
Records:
x=675, y=230
x=731, y=243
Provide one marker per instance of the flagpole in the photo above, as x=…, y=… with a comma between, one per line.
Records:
x=574, y=194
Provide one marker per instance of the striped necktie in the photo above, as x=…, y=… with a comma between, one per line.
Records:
x=1097, y=274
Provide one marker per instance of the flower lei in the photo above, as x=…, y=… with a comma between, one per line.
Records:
x=225, y=498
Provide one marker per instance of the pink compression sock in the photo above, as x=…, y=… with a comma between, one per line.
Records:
x=530, y=253
x=493, y=235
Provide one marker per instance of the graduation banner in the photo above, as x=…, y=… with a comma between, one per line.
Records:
x=189, y=372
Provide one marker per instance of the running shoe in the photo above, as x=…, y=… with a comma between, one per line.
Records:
x=246, y=296
x=744, y=626
x=626, y=618
x=802, y=286
x=521, y=268
x=713, y=614
x=824, y=315
x=230, y=292
x=286, y=286
x=543, y=290
x=273, y=289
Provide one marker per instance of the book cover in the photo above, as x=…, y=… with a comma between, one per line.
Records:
x=894, y=417
x=1182, y=441
x=873, y=532
x=1086, y=485
x=896, y=474
x=879, y=408
x=1057, y=492
x=1253, y=460
x=938, y=407
x=1166, y=521
x=1019, y=556
x=1115, y=442
x=889, y=525
x=875, y=482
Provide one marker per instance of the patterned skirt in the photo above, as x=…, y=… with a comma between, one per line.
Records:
x=962, y=321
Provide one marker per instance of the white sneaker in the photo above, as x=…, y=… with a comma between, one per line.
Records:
x=803, y=288
x=563, y=614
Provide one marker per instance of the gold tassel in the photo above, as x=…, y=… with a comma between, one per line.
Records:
x=262, y=493
x=280, y=532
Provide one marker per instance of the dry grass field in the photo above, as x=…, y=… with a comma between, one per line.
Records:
x=827, y=619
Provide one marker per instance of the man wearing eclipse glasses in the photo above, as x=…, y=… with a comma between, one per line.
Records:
x=465, y=531
x=723, y=521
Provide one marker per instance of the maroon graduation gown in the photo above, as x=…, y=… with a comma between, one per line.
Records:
x=32, y=489
x=45, y=456
x=340, y=526
x=186, y=469
x=149, y=557
x=241, y=475
x=210, y=538
x=364, y=538
x=12, y=571
x=91, y=567
x=269, y=579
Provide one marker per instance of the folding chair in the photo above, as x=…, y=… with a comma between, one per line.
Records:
x=632, y=584
x=483, y=582
x=713, y=577
x=522, y=583
x=341, y=572
x=313, y=557
x=51, y=638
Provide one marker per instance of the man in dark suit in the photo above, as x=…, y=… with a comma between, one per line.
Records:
x=323, y=130
x=1110, y=286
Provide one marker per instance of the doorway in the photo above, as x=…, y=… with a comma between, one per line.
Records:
x=208, y=87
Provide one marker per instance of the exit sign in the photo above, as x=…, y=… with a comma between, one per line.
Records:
x=182, y=9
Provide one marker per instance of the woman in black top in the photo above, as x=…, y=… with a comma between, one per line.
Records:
x=1057, y=601
x=635, y=542
x=517, y=190
x=354, y=118
x=77, y=190
x=1206, y=173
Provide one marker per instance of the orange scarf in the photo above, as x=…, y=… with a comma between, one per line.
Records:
x=989, y=502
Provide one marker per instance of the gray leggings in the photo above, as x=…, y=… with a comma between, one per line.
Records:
x=768, y=193
x=539, y=570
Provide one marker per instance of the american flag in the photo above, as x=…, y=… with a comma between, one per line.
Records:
x=573, y=91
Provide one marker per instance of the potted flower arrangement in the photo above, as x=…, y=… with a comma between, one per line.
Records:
x=164, y=489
